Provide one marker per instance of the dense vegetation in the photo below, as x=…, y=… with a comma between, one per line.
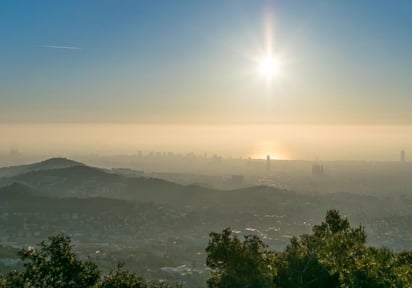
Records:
x=54, y=264
x=334, y=255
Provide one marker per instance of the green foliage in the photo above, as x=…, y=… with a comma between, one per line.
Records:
x=298, y=266
x=125, y=279
x=334, y=255
x=53, y=264
x=238, y=263
x=122, y=279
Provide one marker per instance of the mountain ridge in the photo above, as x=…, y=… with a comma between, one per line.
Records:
x=51, y=163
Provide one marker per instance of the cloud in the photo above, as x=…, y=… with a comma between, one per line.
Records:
x=61, y=47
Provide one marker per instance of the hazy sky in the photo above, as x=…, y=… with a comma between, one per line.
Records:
x=191, y=63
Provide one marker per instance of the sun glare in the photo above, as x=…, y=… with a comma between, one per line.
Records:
x=269, y=67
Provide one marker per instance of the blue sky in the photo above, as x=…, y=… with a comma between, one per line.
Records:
x=346, y=62
x=120, y=76
x=182, y=61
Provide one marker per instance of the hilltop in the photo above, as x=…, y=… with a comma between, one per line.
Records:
x=52, y=163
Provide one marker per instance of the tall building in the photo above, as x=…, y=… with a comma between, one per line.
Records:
x=14, y=152
x=317, y=169
x=403, y=156
x=268, y=168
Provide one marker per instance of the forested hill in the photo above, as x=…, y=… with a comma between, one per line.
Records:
x=52, y=163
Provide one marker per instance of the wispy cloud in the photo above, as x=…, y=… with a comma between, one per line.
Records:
x=61, y=47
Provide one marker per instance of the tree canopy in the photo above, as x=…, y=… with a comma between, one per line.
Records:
x=334, y=255
x=53, y=264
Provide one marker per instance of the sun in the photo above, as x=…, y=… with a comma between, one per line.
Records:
x=269, y=67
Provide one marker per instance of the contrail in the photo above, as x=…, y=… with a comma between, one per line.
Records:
x=61, y=47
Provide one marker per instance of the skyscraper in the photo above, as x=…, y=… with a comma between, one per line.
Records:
x=317, y=168
x=403, y=156
x=268, y=168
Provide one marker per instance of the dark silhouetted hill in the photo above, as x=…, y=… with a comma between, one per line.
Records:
x=83, y=181
x=16, y=192
x=21, y=198
x=52, y=163
x=80, y=181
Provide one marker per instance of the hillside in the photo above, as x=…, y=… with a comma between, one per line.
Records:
x=52, y=163
x=90, y=182
x=21, y=198
x=85, y=182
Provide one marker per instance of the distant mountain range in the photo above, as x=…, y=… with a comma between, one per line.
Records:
x=64, y=178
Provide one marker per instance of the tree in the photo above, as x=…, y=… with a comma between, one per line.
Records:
x=2, y=281
x=299, y=266
x=238, y=263
x=334, y=255
x=124, y=279
x=53, y=264
x=324, y=258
